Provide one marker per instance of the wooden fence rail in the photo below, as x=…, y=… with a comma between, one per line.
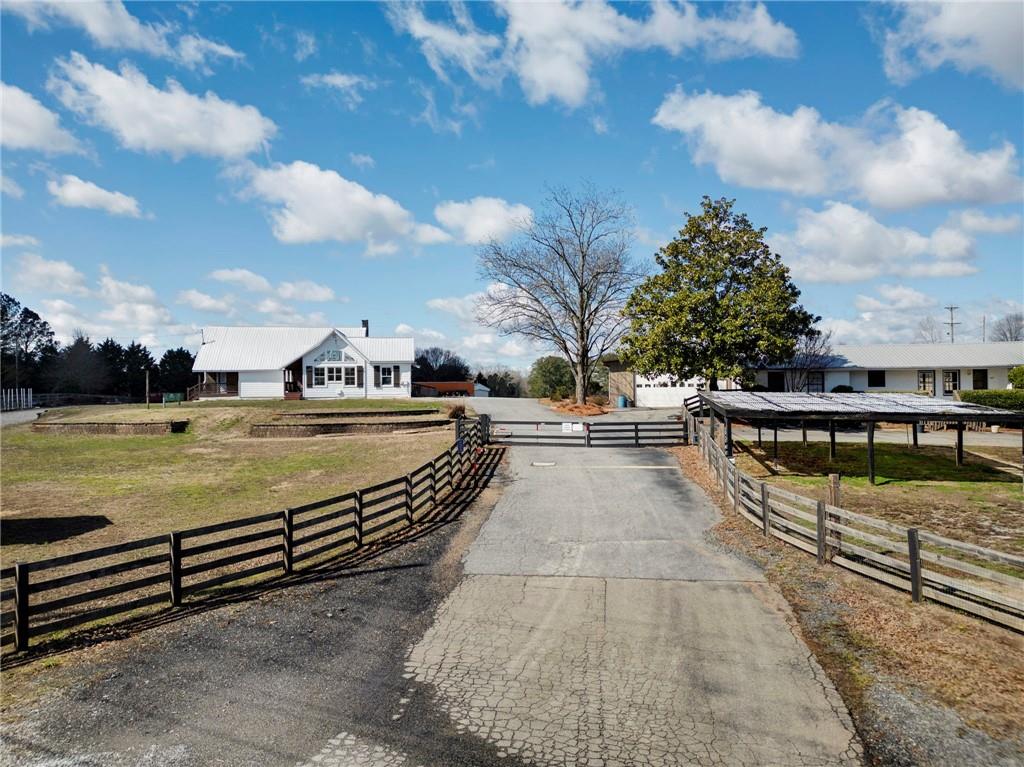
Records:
x=928, y=566
x=74, y=590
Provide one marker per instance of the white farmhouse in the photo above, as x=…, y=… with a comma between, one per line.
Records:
x=274, y=362
x=939, y=370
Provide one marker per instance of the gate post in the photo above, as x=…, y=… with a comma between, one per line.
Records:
x=288, y=534
x=586, y=435
x=485, y=429
x=20, y=606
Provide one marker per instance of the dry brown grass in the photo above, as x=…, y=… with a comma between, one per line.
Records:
x=859, y=628
x=64, y=493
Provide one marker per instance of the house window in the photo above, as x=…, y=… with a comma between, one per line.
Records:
x=318, y=377
x=979, y=378
x=876, y=378
x=950, y=382
x=333, y=374
x=926, y=382
x=350, y=375
x=816, y=381
x=385, y=376
x=776, y=381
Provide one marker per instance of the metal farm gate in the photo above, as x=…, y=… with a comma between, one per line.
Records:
x=586, y=433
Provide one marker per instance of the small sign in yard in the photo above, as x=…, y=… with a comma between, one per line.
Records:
x=566, y=427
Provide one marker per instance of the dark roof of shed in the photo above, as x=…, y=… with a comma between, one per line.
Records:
x=851, y=407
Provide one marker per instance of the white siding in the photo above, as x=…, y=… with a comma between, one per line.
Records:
x=386, y=392
x=660, y=391
x=261, y=384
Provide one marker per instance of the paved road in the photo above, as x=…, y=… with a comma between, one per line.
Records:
x=14, y=417
x=597, y=625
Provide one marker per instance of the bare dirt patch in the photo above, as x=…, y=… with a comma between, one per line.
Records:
x=925, y=684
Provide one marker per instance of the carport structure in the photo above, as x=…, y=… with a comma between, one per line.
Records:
x=762, y=409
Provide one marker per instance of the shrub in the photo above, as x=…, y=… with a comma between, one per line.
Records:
x=842, y=389
x=456, y=411
x=1017, y=377
x=1007, y=399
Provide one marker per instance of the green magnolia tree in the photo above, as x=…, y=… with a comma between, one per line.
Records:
x=1017, y=377
x=722, y=304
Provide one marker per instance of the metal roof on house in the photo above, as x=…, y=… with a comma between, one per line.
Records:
x=850, y=407
x=926, y=356
x=269, y=347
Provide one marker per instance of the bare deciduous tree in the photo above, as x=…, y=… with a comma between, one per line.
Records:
x=1009, y=328
x=564, y=277
x=813, y=352
x=928, y=331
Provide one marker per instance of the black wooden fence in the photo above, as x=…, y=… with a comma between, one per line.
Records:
x=589, y=434
x=74, y=590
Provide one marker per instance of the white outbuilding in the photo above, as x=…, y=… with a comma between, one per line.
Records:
x=282, y=362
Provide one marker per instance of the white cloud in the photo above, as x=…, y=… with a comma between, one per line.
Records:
x=895, y=158
x=147, y=118
x=204, y=302
x=242, y=277
x=286, y=314
x=362, y=161
x=423, y=336
x=481, y=219
x=72, y=192
x=11, y=188
x=349, y=88
x=841, y=243
x=312, y=204
x=116, y=291
x=18, y=241
x=977, y=221
x=36, y=273
x=893, y=316
x=305, y=290
x=551, y=47
x=983, y=37
x=27, y=124
x=428, y=234
x=109, y=25
x=66, y=319
x=305, y=44
x=599, y=124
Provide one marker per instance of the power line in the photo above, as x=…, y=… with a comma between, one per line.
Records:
x=952, y=323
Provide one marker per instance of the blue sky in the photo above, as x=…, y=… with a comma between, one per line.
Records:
x=168, y=166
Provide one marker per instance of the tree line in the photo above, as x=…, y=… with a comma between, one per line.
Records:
x=31, y=357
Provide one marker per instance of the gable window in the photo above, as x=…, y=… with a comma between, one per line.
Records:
x=876, y=378
x=950, y=382
x=926, y=382
x=386, y=374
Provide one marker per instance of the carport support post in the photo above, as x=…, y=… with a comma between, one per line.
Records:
x=914, y=551
x=174, y=544
x=20, y=606
x=871, y=452
x=960, y=443
x=728, y=437
x=775, y=444
x=759, y=445
x=288, y=536
x=831, y=440
x=914, y=428
x=803, y=432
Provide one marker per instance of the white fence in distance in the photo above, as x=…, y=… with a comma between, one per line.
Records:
x=15, y=399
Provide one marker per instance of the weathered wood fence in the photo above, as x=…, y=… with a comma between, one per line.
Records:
x=977, y=580
x=58, y=594
x=15, y=399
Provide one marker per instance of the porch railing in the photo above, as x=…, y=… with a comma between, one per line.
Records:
x=211, y=389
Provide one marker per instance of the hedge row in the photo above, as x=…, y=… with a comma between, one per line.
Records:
x=1007, y=399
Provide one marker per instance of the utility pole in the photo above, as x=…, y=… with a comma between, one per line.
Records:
x=952, y=323
x=147, y=388
x=983, y=318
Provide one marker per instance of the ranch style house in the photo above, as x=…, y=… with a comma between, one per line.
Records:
x=935, y=369
x=276, y=362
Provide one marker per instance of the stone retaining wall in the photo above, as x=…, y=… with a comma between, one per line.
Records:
x=315, y=429
x=103, y=427
x=355, y=413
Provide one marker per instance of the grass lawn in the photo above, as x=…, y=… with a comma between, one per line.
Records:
x=979, y=502
x=64, y=493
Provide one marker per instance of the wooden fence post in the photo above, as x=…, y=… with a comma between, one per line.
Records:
x=914, y=551
x=586, y=435
x=20, y=606
x=358, y=514
x=408, y=499
x=174, y=545
x=834, y=497
x=636, y=435
x=288, y=538
x=822, y=531
x=735, y=488
x=766, y=522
